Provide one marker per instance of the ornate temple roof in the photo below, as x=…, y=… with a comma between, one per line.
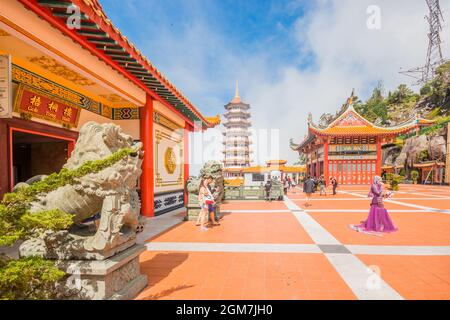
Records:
x=351, y=123
x=99, y=36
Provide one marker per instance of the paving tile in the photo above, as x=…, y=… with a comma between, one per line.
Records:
x=417, y=279
x=222, y=275
x=242, y=228
x=415, y=228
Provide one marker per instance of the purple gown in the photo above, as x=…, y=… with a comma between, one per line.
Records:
x=378, y=219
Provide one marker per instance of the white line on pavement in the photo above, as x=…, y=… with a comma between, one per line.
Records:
x=318, y=233
x=254, y=211
x=362, y=210
x=364, y=283
x=233, y=247
x=352, y=270
x=400, y=250
x=405, y=204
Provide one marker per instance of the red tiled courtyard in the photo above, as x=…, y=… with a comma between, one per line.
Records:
x=284, y=250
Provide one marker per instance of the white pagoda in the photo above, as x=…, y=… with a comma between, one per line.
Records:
x=236, y=135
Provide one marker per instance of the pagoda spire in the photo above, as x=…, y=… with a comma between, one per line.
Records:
x=237, y=98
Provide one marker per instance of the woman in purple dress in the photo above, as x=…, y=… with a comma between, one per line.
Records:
x=378, y=220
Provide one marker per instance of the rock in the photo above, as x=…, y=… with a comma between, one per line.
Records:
x=389, y=155
x=411, y=149
x=437, y=148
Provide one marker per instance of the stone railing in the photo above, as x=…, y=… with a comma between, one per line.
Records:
x=252, y=193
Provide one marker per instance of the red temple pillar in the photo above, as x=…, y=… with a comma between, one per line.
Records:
x=4, y=159
x=379, y=159
x=147, y=177
x=187, y=128
x=325, y=161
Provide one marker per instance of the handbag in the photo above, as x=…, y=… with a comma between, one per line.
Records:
x=209, y=199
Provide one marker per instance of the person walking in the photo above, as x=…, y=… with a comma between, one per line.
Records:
x=334, y=184
x=293, y=185
x=268, y=189
x=286, y=186
x=378, y=221
x=212, y=208
x=308, y=189
x=322, y=186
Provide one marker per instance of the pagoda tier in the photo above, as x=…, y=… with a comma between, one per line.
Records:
x=237, y=113
x=237, y=123
x=238, y=150
x=237, y=107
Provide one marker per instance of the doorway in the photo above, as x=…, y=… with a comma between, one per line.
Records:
x=34, y=153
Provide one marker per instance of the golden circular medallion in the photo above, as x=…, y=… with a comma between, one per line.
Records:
x=170, y=160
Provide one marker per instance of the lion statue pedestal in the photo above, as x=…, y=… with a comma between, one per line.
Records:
x=101, y=263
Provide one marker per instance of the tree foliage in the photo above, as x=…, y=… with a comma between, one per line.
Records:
x=432, y=102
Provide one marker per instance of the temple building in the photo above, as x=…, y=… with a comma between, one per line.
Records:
x=236, y=135
x=349, y=148
x=64, y=63
x=274, y=169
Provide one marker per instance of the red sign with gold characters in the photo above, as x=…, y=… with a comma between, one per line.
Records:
x=39, y=104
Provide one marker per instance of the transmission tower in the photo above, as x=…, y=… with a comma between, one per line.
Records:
x=434, y=53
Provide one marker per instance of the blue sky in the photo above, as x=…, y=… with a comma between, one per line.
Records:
x=247, y=27
x=291, y=57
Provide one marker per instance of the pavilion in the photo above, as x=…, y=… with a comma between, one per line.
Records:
x=64, y=63
x=349, y=148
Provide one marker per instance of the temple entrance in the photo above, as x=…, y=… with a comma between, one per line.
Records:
x=34, y=153
x=353, y=171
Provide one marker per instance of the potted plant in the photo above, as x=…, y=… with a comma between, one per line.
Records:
x=414, y=176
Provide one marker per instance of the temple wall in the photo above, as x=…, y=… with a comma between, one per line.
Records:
x=168, y=151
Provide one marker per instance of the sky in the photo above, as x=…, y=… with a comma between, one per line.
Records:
x=290, y=57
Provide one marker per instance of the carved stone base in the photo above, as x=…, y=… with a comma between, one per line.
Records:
x=192, y=213
x=194, y=210
x=117, y=277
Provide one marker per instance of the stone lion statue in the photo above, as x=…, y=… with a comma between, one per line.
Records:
x=110, y=193
x=211, y=169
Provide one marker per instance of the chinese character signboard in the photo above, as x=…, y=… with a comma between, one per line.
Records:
x=5, y=87
x=353, y=148
x=38, y=104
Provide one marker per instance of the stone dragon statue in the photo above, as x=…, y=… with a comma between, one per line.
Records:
x=110, y=192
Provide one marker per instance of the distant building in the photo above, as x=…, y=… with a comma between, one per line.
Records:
x=236, y=135
x=274, y=169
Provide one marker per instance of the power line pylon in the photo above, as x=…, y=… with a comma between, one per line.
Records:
x=434, y=53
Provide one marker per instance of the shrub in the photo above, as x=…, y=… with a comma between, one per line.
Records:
x=28, y=278
x=414, y=175
x=394, y=180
